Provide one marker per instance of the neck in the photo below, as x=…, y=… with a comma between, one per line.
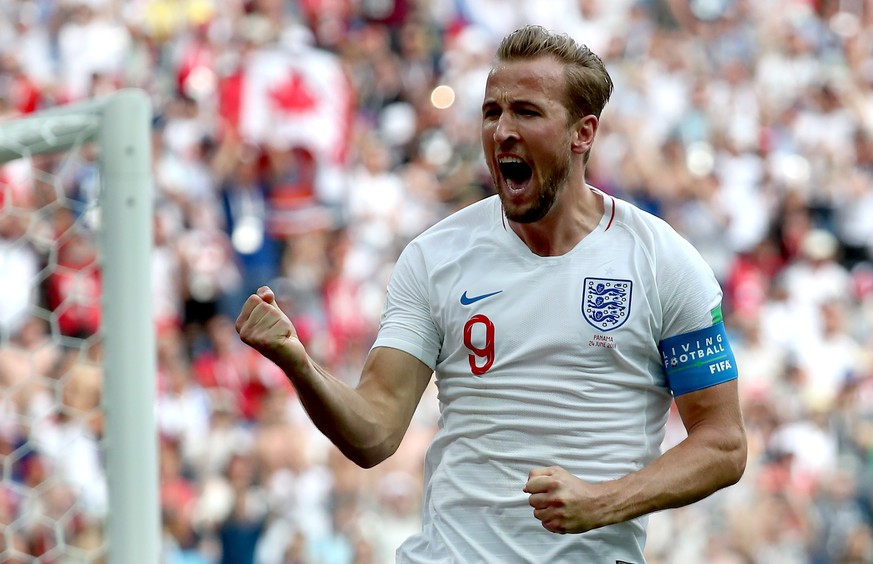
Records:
x=576, y=213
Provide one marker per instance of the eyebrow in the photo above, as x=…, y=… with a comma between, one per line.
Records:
x=513, y=104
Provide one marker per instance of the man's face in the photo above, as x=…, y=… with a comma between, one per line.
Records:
x=526, y=136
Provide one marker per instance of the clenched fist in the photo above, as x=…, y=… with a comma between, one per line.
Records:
x=563, y=502
x=264, y=327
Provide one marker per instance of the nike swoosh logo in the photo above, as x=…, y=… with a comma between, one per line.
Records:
x=472, y=300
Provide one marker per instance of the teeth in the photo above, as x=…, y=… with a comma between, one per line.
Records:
x=506, y=160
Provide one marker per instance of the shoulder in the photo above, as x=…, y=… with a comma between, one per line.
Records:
x=440, y=251
x=665, y=245
x=641, y=223
x=459, y=231
x=685, y=284
x=476, y=214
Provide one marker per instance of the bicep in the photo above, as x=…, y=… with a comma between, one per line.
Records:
x=716, y=407
x=393, y=382
x=714, y=422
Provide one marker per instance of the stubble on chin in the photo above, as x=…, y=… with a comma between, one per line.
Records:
x=548, y=194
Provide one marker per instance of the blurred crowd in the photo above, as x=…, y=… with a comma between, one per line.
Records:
x=303, y=143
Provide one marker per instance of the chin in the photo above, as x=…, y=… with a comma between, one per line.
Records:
x=524, y=214
x=530, y=215
x=529, y=211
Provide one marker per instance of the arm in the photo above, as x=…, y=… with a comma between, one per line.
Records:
x=713, y=456
x=366, y=422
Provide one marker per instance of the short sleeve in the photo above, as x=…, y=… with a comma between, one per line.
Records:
x=694, y=347
x=407, y=323
x=688, y=289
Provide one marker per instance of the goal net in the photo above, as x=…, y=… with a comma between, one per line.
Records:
x=78, y=449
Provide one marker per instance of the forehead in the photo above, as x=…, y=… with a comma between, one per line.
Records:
x=540, y=79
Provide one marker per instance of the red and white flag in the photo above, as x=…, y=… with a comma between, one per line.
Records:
x=293, y=96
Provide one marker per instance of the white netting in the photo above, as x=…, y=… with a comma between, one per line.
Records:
x=53, y=494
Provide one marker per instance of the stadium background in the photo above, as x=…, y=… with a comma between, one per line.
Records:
x=303, y=143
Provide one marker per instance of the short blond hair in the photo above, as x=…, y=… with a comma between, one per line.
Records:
x=588, y=84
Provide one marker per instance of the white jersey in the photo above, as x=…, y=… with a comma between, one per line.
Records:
x=540, y=361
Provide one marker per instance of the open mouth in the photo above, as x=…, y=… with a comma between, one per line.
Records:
x=515, y=172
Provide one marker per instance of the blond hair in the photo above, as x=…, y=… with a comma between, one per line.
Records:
x=588, y=84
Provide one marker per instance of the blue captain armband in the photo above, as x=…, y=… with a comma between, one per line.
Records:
x=698, y=359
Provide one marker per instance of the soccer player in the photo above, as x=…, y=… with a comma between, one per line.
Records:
x=560, y=323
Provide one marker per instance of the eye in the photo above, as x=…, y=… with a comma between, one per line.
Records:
x=490, y=113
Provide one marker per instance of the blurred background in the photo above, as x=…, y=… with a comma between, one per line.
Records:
x=304, y=143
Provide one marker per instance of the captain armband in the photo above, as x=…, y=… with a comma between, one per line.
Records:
x=698, y=359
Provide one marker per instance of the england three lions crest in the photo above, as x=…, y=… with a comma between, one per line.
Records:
x=606, y=302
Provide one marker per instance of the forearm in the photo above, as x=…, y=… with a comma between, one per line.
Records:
x=366, y=422
x=343, y=415
x=709, y=459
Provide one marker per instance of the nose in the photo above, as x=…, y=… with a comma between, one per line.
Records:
x=505, y=129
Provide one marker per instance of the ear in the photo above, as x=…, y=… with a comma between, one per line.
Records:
x=584, y=131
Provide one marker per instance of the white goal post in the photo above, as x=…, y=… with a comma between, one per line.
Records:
x=120, y=125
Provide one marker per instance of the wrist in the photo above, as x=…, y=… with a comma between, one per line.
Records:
x=292, y=358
